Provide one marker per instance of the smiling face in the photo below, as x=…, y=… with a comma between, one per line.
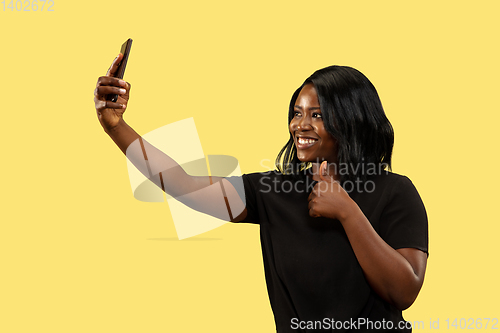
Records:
x=313, y=142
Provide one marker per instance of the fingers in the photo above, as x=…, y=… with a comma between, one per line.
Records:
x=112, y=81
x=312, y=211
x=109, y=85
x=114, y=65
x=312, y=202
x=107, y=90
x=101, y=104
x=312, y=195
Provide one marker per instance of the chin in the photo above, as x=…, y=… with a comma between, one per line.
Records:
x=306, y=159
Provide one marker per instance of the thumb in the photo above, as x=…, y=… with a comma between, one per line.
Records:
x=323, y=171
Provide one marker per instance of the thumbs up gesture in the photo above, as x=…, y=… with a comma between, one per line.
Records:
x=328, y=198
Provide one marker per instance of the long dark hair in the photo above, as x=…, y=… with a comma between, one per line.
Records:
x=352, y=113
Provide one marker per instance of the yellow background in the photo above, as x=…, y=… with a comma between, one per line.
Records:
x=79, y=254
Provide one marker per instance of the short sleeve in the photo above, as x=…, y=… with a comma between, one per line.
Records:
x=246, y=189
x=404, y=219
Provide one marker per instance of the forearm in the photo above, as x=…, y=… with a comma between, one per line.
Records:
x=167, y=174
x=123, y=135
x=151, y=162
x=388, y=272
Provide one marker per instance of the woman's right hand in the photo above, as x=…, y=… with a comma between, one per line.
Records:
x=110, y=113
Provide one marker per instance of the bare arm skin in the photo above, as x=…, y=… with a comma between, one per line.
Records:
x=395, y=275
x=170, y=176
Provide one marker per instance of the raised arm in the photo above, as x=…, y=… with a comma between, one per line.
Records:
x=199, y=193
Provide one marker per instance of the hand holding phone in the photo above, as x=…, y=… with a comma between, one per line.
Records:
x=110, y=110
x=125, y=50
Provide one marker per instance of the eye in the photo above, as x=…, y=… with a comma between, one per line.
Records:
x=296, y=113
x=317, y=115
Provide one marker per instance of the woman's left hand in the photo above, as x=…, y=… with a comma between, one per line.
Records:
x=328, y=198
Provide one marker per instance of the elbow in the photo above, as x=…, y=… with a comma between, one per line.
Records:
x=405, y=291
x=406, y=296
x=404, y=302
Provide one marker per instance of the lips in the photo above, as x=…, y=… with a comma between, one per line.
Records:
x=305, y=142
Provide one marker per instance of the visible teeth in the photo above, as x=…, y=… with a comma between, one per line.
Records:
x=305, y=141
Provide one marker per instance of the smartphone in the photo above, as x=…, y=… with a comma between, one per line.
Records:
x=125, y=50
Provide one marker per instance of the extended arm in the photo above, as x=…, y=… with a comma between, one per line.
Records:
x=199, y=193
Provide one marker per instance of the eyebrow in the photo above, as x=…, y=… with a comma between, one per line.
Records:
x=313, y=108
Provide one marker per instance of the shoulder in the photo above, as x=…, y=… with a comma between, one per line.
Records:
x=393, y=183
x=386, y=191
x=391, y=178
x=250, y=183
x=398, y=192
x=275, y=183
x=259, y=180
x=403, y=217
x=271, y=174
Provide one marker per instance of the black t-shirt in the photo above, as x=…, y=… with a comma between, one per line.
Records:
x=312, y=274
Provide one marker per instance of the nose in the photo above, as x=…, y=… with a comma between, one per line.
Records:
x=304, y=124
